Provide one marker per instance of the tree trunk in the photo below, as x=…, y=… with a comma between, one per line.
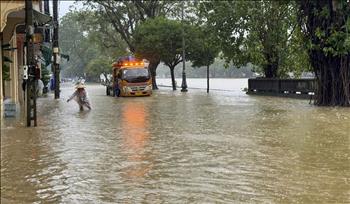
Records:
x=271, y=56
x=153, y=67
x=270, y=70
x=106, y=77
x=332, y=69
x=207, y=78
x=333, y=79
x=173, y=82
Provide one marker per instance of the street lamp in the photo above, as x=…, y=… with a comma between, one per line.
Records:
x=183, y=84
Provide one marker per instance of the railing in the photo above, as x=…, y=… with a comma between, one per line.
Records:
x=282, y=87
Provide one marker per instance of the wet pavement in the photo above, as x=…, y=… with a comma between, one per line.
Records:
x=173, y=147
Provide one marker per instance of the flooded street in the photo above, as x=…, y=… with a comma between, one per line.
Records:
x=173, y=147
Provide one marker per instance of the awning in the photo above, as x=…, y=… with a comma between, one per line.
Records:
x=17, y=18
x=40, y=18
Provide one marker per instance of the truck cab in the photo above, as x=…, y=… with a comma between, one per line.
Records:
x=130, y=77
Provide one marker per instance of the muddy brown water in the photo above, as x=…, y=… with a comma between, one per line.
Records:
x=225, y=147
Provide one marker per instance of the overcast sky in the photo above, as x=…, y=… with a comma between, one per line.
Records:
x=64, y=6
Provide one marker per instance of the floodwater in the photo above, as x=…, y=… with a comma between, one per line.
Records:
x=173, y=147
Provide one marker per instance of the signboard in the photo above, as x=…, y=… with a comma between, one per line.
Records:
x=38, y=38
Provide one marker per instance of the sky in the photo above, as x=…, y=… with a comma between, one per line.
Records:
x=64, y=6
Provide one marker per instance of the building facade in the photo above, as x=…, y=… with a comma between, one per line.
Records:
x=12, y=38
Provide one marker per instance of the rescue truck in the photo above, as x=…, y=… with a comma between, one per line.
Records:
x=130, y=77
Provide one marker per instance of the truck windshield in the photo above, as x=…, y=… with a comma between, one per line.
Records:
x=135, y=75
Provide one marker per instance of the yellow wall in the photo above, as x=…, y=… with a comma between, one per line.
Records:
x=1, y=97
x=8, y=6
x=13, y=86
x=14, y=71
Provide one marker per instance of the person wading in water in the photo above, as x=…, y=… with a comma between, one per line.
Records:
x=80, y=96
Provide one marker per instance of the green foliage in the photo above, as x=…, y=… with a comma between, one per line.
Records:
x=330, y=31
x=263, y=33
x=47, y=55
x=73, y=42
x=86, y=39
x=325, y=25
x=203, y=47
x=6, y=72
x=124, y=16
x=147, y=40
x=98, y=65
x=45, y=75
x=101, y=33
x=159, y=38
x=260, y=32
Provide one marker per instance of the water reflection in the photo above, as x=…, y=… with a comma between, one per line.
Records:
x=135, y=136
x=134, y=126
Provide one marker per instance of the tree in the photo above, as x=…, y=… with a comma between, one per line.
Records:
x=124, y=16
x=101, y=33
x=326, y=25
x=97, y=66
x=260, y=32
x=86, y=40
x=203, y=49
x=160, y=38
x=74, y=43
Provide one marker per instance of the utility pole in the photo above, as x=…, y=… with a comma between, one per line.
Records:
x=47, y=12
x=55, y=50
x=183, y=84
x=1, y=68
x=29, y=72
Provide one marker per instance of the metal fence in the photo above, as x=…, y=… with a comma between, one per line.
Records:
x=282, y=87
